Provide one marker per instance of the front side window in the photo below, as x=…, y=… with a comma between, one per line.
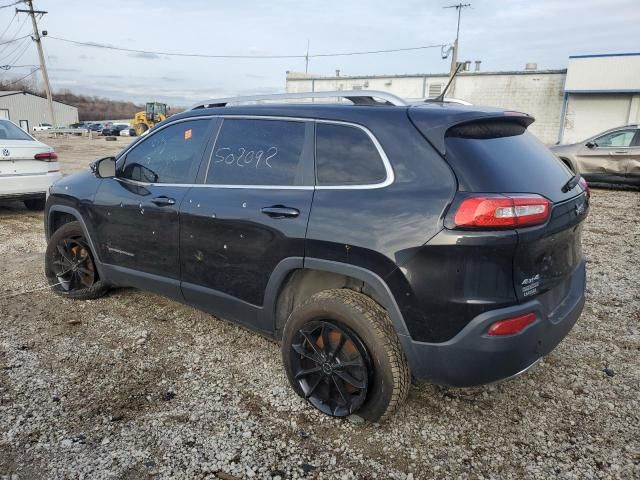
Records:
x=621, y=138
x=9, y=131
x=346, y=155
x=258, y=152
x=170, y=155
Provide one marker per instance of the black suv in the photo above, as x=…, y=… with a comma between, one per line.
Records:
x=377, y=241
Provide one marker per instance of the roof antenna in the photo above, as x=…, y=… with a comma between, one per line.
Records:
x=440, y=98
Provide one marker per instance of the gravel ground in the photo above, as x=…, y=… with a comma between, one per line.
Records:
x=134, y=386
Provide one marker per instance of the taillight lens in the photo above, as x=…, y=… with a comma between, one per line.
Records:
x=500, y=211
x=585, y=186
x=46, y=156
x=511, y=326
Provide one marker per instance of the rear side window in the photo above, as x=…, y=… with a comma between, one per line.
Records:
x=346, y=155
x=500, y=156
x=258, y=152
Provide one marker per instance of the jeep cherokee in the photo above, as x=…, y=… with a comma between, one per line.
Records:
x=377, y=241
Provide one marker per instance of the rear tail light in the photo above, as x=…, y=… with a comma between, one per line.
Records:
x=46, y=157
x=585, y=186
x=502, y=211
x=511, y=326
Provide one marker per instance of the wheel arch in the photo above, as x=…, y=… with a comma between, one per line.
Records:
x=59, y=215
x=294, y=280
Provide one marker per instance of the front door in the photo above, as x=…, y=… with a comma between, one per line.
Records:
x=24, y=125
x=136, y=213
x=250, y=214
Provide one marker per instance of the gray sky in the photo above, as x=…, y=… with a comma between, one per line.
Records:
x=503, y=34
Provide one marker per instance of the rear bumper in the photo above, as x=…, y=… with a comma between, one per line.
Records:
x=27, y=186
x=473, y=358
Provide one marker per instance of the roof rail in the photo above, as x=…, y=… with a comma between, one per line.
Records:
x=358, y=97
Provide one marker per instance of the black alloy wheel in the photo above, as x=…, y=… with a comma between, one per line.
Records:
x=72, y=265
x=331, y=366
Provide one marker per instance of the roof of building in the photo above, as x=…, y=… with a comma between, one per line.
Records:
x=596, y=55
x=9, y=93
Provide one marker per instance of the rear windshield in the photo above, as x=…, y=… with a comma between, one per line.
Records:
x=500, y=156
x=10, y=131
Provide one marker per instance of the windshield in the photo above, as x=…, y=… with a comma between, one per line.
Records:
x=10, y=131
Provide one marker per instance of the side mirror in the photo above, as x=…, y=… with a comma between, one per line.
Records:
x=590, y=144
x=104, y=167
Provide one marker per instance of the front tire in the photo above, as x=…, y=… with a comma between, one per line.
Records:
x=69, y=265
x=341, y=353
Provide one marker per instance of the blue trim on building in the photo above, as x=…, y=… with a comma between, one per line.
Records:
x=596, y=55
x=614, y=90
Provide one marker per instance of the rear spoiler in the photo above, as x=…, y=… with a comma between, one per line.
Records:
x=434, y=123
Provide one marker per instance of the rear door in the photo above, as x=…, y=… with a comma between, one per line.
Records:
x=498, y=157
x=249, y=214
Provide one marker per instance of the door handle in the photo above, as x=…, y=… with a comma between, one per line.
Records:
x=619, y=152
x=164, y=201
x=280, y=211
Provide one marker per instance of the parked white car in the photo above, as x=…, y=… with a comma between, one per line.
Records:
x=27, y=167
x=41, y=127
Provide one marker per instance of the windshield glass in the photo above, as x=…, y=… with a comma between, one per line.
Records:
x=10, y=131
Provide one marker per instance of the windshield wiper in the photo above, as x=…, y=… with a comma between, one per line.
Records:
x=573, y=181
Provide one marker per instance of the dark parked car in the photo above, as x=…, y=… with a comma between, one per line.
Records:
x=376, y=241
x=95, y=127
x=114, y=130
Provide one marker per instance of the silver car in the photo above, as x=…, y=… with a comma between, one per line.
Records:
x=612, y=156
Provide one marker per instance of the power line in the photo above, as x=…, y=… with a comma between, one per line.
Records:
x=203, y=55
x=11, y=53
x=11, y=4
x=17, y=57
x=21, y=78
x=14, y=40
x=9, y=67
x=9, y=25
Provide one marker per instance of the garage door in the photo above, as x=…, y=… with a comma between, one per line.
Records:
x=589, y=114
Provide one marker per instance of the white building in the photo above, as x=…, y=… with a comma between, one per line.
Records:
x=536, y=92
x=28, y=110
x=595, y=93
x=601, y=92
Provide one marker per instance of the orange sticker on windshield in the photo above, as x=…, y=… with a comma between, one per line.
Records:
x=187, y=134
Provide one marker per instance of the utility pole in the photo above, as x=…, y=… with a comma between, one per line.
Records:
x=43, y=66
x=306, y=59
x=454, y=53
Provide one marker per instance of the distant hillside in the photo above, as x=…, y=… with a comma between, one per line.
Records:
x=97, y=108
x=89, y=107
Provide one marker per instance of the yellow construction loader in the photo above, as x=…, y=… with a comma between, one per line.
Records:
x=154, y=112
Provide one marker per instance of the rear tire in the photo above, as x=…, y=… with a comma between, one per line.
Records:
x=70, y=267
x=375, y=353
x=35, y=204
